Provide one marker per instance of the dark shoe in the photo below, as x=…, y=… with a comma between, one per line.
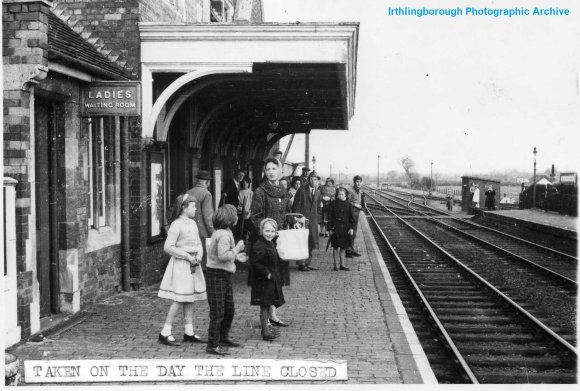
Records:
x=312, y=268
x=230, y=342
x=335, y=269
x=348, y=255
x=165, y=341
x=269, y=336
x=217, y=350
x=354, y=253
x=344, y=268
x=303, y=268
x=192, y=338
x=279, y=323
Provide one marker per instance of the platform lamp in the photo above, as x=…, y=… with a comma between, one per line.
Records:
x=534, y=186
x=313, y=162
x=431, y=180
x=378, y=172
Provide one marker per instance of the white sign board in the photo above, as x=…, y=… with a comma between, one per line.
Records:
x=522, y=180
x=128, y=370
x=568, y=177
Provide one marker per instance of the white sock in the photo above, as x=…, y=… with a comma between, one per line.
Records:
x=166, y=331
x=189, y=329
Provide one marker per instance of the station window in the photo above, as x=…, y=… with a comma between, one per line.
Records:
x=103, y=170
x=222, y=11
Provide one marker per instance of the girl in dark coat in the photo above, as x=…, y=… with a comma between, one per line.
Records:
x=266, y=287
x=341, y=223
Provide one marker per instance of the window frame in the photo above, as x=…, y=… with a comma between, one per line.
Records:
x=103, y=134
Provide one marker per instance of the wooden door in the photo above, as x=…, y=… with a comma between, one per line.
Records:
x=46, y=136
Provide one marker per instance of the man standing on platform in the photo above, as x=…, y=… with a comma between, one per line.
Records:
x=204, y=206
x=357, y=199
x=231, y=191
x=304, y=177
x=307, y=202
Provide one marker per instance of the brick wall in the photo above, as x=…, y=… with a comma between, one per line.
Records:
x=162, y=11
x=24, y=54
x=148, y=260
x=100, y=274
x=109, y=25
x=24, y=27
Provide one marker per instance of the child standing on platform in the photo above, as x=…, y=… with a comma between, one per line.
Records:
x=341, y=223
x=266, y=287
x=222, y=253
x=183, y=281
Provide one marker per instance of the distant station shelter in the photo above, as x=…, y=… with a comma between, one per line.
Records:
x=109, y=114
x=467, y=197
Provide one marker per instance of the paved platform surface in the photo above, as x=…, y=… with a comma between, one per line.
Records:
x=538, y=216
x=335, y=315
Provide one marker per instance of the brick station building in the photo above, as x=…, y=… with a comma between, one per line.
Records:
x=112, y=107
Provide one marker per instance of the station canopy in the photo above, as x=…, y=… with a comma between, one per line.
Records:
x=247, y=80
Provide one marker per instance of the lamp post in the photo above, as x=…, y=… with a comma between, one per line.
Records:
x=431, y=180
x=535, y=152
x=378, y=166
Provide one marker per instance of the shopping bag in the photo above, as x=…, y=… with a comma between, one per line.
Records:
x=292, y=244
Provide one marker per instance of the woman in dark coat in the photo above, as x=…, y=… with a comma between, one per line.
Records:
x=270, y=200
x=266, y=286
x=341, y=223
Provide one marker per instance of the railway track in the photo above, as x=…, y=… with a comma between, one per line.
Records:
x=537, y=254
x=485, y=333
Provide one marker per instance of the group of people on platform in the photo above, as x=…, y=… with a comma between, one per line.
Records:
x=489, y=196
x=205, y=246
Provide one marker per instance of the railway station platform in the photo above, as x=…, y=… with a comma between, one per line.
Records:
x=537, y=219
x=355, y=316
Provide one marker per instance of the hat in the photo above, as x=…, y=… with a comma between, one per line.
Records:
x=277, y=151
x=305, y=169
x=331, y=179
x=203, y=174
x=313, y=174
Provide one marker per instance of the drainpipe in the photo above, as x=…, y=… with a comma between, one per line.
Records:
x=125, y=215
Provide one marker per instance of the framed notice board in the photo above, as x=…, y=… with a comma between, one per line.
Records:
x=156, y=185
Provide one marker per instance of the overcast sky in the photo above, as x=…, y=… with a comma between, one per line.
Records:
x=473, y=94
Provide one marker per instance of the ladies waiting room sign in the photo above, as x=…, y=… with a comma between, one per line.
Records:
x=112, y=98
x=81, y=371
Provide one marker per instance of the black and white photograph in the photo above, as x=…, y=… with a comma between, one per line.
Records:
x=290, y=193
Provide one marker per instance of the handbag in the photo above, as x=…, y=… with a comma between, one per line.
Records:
x=292, y=244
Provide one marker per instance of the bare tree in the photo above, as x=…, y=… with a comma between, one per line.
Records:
x=408, y=165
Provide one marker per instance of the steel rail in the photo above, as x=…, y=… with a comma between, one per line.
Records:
x=563, y=343
x=509, y=253
x=557, y=275
x=443, y=332
x=465, y=221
